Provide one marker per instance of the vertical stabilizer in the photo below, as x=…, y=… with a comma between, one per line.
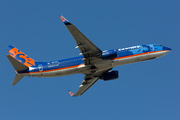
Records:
x=20, y=56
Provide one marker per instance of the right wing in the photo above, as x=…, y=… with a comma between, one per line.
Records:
x=89, y=81
x=86, y=84
x=87, y=48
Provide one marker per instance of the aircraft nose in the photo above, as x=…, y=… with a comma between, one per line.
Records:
x=166, y=48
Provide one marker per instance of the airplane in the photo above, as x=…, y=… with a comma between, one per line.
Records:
x=94, y=63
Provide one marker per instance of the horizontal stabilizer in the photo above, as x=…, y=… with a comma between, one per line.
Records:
x=17, y=79
x=18, y=66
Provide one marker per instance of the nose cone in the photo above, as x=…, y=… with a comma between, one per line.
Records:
x=166, y=48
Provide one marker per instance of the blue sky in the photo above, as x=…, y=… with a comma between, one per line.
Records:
x=146, y=90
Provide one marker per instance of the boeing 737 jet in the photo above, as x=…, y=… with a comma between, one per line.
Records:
x=94, y=63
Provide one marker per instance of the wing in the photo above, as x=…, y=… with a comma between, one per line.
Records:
x=89, y=81
x=87, y=48
x=86, y=84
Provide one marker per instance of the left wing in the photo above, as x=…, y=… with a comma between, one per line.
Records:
x=87, y=48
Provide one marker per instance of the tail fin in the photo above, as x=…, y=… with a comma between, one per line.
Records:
x=20, y=57
x=20, y=62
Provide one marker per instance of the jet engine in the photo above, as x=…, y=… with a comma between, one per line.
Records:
x=110, y=54
x=110, y=75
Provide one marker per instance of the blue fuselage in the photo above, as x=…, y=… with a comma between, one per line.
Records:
x=109, y=59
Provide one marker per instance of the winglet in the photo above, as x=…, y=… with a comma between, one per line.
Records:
x=71, y=93
x=65, y=21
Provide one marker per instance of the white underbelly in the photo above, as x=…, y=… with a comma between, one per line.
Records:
x=55, y=73
x=131, y=59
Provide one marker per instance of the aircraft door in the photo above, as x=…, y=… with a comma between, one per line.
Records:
x=151, y=47
x=40, y=67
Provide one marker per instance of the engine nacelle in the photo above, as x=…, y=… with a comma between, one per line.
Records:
x=110, y=54
x=110, y=75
